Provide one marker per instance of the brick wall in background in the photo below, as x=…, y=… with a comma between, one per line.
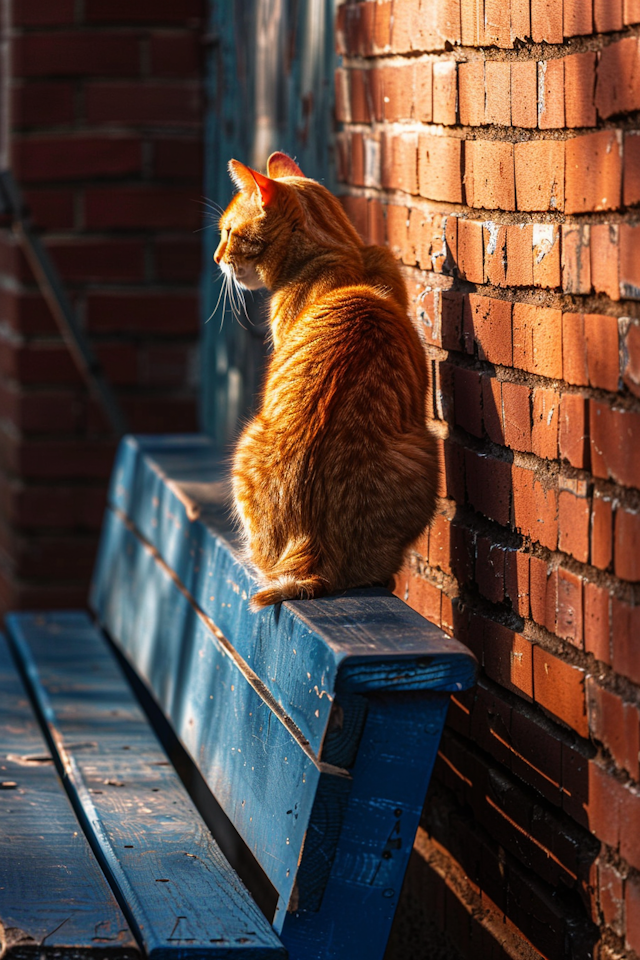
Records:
x=106, y=142
x=495, y=146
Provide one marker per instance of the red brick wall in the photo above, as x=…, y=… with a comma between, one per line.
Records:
x=495, y=146
x=105, y=138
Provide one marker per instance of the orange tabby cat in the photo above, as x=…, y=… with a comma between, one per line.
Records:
x=337, y=473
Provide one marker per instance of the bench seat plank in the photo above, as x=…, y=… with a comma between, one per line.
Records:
x=172, y=490
x=54, y=899
x=253, y=759
x=182, y=897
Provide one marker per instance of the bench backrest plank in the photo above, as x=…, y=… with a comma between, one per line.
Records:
x=254, y=760
x=54, y=899
x=180, y=892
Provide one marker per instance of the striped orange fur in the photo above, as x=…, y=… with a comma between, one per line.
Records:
x=337, y=473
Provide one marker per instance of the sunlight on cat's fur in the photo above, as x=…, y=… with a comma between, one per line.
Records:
x=337, y=473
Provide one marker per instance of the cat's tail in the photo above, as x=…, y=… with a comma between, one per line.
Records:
x=293, y=576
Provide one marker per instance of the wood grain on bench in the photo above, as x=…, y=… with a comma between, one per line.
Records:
x=179, y=893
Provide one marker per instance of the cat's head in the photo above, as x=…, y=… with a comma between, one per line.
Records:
x=274, y=222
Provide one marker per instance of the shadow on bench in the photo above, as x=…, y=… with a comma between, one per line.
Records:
x=315, y=725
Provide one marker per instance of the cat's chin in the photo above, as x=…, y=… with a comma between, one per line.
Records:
x=249, y=280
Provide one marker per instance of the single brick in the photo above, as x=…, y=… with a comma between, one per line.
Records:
x=601, y=531
x=520, y=21
x=631, y=177
x=61, y=54
x=451, y=306
x=495, y=253
x=559, y=688
x=618, y=78
x=573, y=525
x=176, y=55
x=144, y=11
x=576, y=260
x=445, y=92
x=615, y=724
x=492, y=408
x=169, y=103
x=524, y=93
x=75, y=158
x=516, y=581
x=545, y=417
x=551, y=94
x=579, y=87
x=42, y=13
x=423, y=92
x=607, y=15
x=472, y=22
x=488, y=483
x=498, y=90
x=360, y=101
x=52, y=209
x=519, y=255
x=178, y=159
x=383, y=18
x=597, y=603
x=631, y=11
x=615, y=443
x=546, y=21
x=489, y=569
x=605, y=264
x=625, y=629
x=439, y=553
x=632, y=912
x=508, y=658
x=141, y=207
x=159, y=312
x=535, y=507
x=569, y=620
x=537, y=339
x=574, y=435
x=440, y=168
x=470, y=251
x=516, y=407
x=546, y=255
x=399, y=162
x=594, y=172
x=487, y=325
x=574, y=350
x=489, y=175
x=603, y=357
x=497, y=24
x=539, y=174
x=43, y=104
x=578, y=18
x=83, y=259
x=468, y=400
x=627, y=545
x=611, y=897
x=629, y=261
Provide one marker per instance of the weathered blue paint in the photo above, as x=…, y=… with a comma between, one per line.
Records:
x=54, y=899
x=181, y=896
x=252, y=758
x=390, y=779
x=302, y=651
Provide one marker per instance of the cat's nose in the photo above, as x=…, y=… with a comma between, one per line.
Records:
x=219, y=253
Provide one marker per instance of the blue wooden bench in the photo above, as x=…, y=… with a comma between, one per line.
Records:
x=314, y=723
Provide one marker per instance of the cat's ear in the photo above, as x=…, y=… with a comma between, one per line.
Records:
x=250, y=180
x=280, y=165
